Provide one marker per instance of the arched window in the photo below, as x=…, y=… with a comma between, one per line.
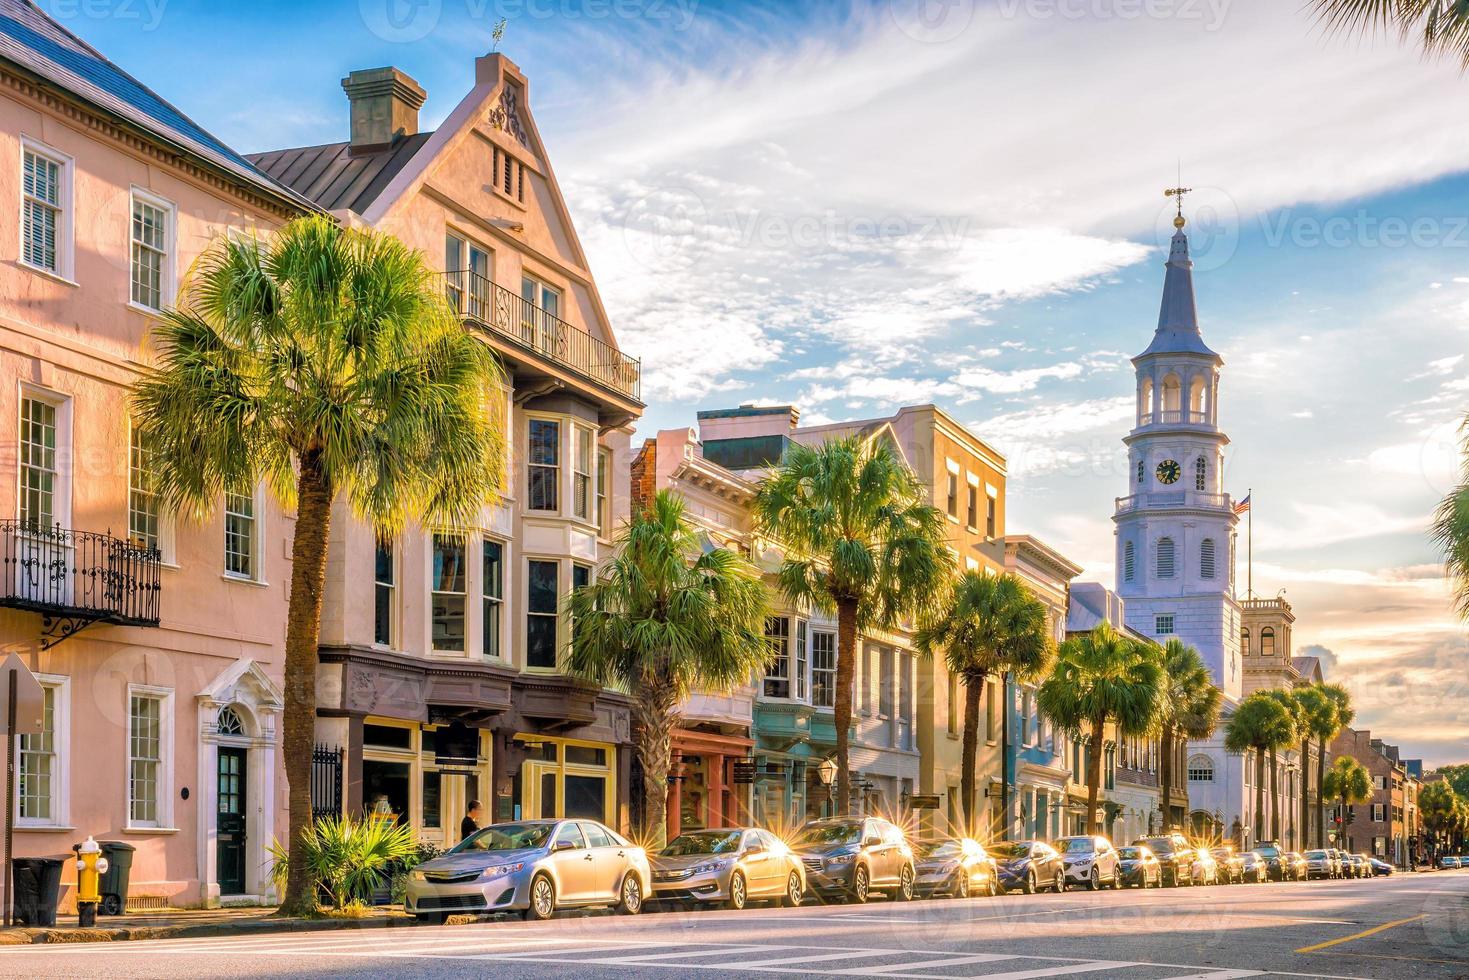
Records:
x=1267, y=642
x=228, y=722
x=1206, y=558
x=1172, y=394
x=1165, y=557
x=1145, y=410
x=1129, y=561
x=1196, y=399
x=1142, y=472
x=1200, y=769
x=1244, y=642
x=1201, y=474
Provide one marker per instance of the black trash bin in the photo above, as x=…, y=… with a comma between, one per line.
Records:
x=37, y=885
x=114, y=884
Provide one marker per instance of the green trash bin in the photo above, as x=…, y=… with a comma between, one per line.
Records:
x=114, y=884
x=37, y=885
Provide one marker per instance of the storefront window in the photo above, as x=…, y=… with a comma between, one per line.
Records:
x=586, y=796
x=385, y=789
x=432, y=812
x=565, y=779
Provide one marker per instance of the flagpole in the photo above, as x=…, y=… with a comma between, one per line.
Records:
x=1250, y=544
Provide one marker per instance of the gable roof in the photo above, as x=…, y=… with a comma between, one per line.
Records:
x=37, y=44
x=334, y=177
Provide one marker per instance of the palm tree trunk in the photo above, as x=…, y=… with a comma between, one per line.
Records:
x=1321, y=792
x=1305, y=785
x=1275, y=798
x=1259, y=795
x=1165, y=748
x=1094, y=777
x=973, y=695
x=846, y=672
x=303, y=630
x=653, y=710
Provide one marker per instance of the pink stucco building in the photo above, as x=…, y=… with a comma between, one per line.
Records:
x=162, y=733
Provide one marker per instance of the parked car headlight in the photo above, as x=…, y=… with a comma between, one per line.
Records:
x=417, y=875
x=839, y=859
x=500, y=870
x=708, y=866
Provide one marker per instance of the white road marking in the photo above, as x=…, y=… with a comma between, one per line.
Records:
x=907, y=968
x=1220, y=975
x=1056, y=971
x=681, y=953
x=825, y=957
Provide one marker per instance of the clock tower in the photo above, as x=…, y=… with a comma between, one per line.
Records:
x=1176, y=525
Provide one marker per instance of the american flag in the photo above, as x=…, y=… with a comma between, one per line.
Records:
x=1240, y=506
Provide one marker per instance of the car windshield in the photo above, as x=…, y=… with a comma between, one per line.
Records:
x=704, y=842
x=1315, y=854
x=821, y=834
x=1077, y=845
x=1130, y=853
x=1159, y=844
x=1268, y=850
x=505, y=837
x=1010, y=850
x=938, y=849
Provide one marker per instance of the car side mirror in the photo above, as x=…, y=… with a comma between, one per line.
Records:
x=872, y=842
x=563, y=845
x=755, y=849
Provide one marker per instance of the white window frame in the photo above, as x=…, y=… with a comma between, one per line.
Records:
x=256, y=538
x=971, y=503
x=991, y=512
x=61, y=479
x=65, y=236
x=831, y=637
x=603, y=484
x=783, y=659
x=168, y=277
x=60, y=686
x=166, y=531
x=583, y=479
x=556, y=615
x=558, y=467
x=1164, y=624
x=464, y=593
x=164, y=816
x=951, y=491
x=395, y=592
x=485, y=599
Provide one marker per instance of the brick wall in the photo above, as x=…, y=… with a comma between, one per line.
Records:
x=644, y=482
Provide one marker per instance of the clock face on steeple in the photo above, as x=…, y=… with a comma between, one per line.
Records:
x=1169, y=471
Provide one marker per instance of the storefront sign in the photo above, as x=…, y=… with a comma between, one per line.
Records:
x=744, y=771
x=923, y=802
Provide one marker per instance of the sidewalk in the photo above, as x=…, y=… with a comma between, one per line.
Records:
x=193, y=923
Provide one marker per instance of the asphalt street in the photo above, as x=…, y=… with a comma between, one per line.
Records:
x=1405, y=926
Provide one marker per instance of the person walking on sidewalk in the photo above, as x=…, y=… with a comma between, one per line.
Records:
x=470, y=823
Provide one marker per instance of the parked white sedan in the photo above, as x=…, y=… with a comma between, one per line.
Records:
x=1090, y=861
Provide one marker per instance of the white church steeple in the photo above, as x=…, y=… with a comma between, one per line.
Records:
x=1176, y=525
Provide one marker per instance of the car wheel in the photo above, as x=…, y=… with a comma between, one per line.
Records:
x=1030, y=882
x=542, y=899
x=904, y=892
x=1061, y=885
x=794, y=892
x=961, y=886
x=738, y=892
x=993, y=888
x=630, y=901
x=1117, y=879
x=1095, y=882
x=860, y=885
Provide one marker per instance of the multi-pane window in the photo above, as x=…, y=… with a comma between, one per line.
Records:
x=41, y=212
x=492, y=589
x=991, y=516
x=1163, y=624
x=239, y=534
x=1165, y=557
x=448, y=593
x=1244, y=642
x=800, y=659
x=145, y=757
x=543, y=463
x=143, y=497
x=468, y=268
x=1379, y=812
x=604, y=503
x=543, y=600
x=581, y=474
x=823, y=668
x=1201, y=473
x=1206, y=558
x=778, y=667
x=954, y=704
x=1267, y=642
x=150, y=253
x=37, y=462
x=385, y=593
x=581, y=577
x=38, y=765
x=971, y=510
x=1141, y=471
x=952, y=500
x=886, y=680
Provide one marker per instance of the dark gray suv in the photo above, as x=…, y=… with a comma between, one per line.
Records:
x=849, y=858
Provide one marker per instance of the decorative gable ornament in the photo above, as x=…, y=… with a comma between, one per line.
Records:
x=506, y=117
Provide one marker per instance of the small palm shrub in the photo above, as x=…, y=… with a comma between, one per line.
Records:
x=348, y=859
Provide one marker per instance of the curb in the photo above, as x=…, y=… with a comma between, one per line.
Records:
x=58, y=935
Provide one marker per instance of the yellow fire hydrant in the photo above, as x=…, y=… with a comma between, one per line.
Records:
x=91, y=866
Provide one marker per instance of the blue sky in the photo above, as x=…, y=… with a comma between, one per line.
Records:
x=854, y=207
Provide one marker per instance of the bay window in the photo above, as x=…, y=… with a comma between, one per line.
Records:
x=823, y=668
x=492, y=591
x=777, y=668
x=447, y=595
x=581, y=474
x=541, y=609
x=543, y=464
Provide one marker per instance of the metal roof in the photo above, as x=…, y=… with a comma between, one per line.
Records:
x=334, y=177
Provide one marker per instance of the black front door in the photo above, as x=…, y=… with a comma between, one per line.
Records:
x=230, y=826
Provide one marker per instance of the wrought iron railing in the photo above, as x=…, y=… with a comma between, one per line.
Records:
x=1173, y=416
x=83, y=576
x=511, y=316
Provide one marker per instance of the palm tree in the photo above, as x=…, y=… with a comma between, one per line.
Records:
x=664, y=618
x=1342, y=716
x=1259, y=724
x=1298, y=724
x=1451, y=530
x=1187, y=709
x=861, y=542
x=1442, y=28
x=1102, y=676
x=324, y=363
x=986, y=624
x=1317, y=721
x=1436, y=808
x=1349, y=782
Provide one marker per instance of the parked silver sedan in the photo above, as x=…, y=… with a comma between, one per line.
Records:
x=534, y=867
x=733, y=865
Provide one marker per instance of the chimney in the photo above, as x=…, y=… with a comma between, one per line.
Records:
x=385, y=104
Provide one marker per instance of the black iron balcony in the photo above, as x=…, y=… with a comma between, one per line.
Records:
x=541, y=333
x=77, y=578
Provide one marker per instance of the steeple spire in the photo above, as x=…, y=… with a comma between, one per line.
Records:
x=1178, y=319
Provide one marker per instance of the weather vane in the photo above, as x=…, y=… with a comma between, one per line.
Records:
x=1176, y=192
